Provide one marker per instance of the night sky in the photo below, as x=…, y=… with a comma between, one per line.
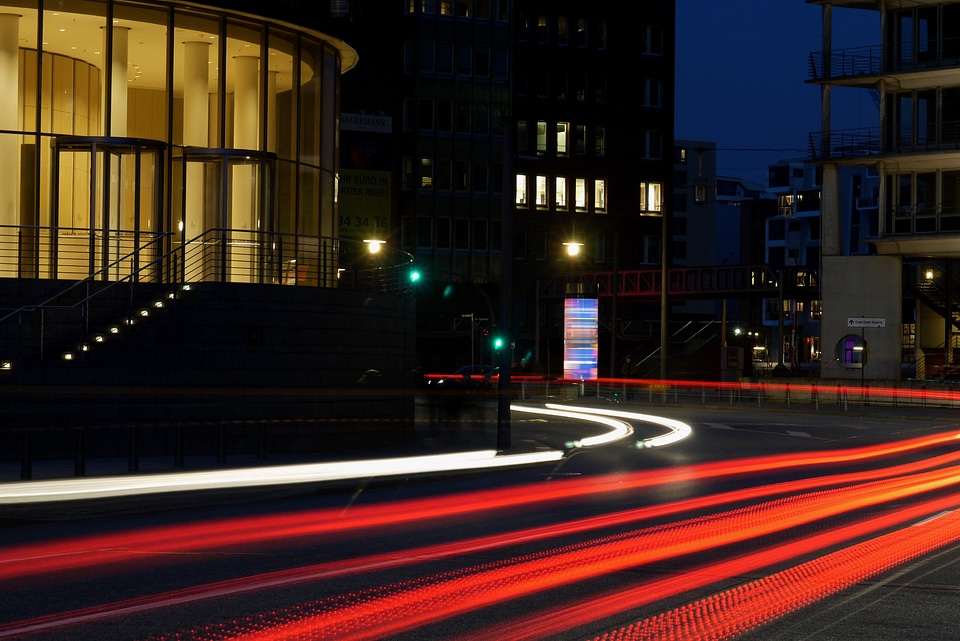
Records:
x=741, y=72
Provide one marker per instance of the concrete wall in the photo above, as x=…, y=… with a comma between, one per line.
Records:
x=285, y=361
x=862, y=286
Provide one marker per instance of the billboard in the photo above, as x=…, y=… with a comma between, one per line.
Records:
x=364, y=190
x=580, y=338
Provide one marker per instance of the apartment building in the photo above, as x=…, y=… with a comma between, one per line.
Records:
x=892, y=312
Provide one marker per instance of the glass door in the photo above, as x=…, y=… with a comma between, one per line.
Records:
x=106, y=209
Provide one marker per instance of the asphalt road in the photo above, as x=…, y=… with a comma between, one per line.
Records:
x=198, y=582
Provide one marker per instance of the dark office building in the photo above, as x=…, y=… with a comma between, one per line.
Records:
x=550, y=120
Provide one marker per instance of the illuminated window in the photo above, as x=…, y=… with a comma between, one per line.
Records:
x=446, y=7
x=426, y=173
x=651, y=197
x=600, y=196
x=543, y=33
x=852, y=352
x=521, y=190
x=541, y=137
x=561, y=195
x=562, y=37
x=580, y=194
x=562, y=128
x=542, y=192
x=581, y=32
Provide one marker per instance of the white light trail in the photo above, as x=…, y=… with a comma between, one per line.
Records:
x=45, y=491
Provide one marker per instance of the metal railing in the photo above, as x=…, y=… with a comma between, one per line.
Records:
x=112, y=296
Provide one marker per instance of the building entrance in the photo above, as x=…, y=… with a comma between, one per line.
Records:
x=107, y=201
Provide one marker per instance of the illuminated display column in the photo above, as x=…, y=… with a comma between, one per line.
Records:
x=9, y=101
x=580, y=323
x=195, y=130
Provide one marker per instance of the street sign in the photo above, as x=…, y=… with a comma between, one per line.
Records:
x=866, y=322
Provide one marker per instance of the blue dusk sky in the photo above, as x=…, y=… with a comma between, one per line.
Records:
x=741, y=74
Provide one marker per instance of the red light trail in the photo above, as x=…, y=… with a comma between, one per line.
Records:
x=404, y=607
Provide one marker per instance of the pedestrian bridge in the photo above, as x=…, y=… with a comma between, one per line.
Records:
x=724, y=281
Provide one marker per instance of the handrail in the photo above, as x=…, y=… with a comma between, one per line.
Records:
x=92, y=278
x=216, y=255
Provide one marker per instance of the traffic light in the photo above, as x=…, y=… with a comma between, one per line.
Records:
x=414, y=275
x=497, y=342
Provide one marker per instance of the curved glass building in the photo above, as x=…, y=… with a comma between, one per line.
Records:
x=132, y=130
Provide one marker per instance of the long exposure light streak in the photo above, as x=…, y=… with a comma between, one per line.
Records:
x=58, y=556
x=105, y=487
x=677, y=430
x=423, y=603
x=76, y=489
x=562, y=619
x=733, y=612
x=426, y=601
x=508, y=579
x=518, y=630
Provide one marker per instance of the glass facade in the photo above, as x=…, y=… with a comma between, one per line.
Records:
x=134, y=132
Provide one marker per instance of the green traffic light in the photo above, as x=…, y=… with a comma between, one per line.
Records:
x=497, y=343
x=414, y=276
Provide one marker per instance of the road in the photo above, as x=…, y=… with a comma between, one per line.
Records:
x=761, y=524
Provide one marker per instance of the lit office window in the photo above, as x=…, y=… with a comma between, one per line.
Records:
x=541, y=137
x=426, y=173
x=600, y=196
x=561, y=195
x=580, y=194
x=521, y=190
x=651, y=198
x=542, y=192
x=562, y=128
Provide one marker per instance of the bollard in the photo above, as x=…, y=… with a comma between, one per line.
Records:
x=788, y=395
x=815, y=397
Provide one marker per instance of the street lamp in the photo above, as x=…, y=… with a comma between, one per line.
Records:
x=373, y=245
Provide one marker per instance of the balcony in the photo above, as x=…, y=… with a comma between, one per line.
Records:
x=861, y=142
x=859, y=62
x=866, y=142
x=845, y=63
